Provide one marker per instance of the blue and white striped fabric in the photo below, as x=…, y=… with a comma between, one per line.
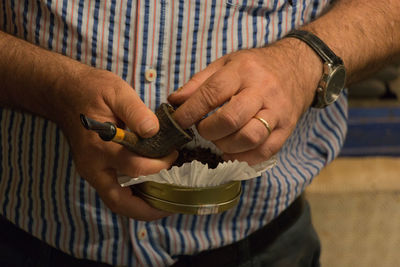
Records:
x=40, y=189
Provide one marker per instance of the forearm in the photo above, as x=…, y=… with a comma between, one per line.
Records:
x=365, y=34
x=60, y=88
x=30, y=76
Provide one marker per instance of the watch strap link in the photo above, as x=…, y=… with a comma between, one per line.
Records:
x=317, y=45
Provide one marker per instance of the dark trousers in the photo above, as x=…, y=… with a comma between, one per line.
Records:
x=288, y=241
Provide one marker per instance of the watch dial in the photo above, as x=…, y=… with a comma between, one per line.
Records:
x=335, y=84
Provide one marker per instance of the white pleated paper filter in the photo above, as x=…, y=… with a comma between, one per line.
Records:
x=197, y=174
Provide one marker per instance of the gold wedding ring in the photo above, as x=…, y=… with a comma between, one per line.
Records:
x=266, y=124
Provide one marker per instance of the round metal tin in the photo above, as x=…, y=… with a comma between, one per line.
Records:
x=189, y=200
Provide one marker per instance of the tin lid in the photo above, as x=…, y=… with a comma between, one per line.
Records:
x=189, y=200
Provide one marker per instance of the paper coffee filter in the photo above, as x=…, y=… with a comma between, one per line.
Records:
x=197, y=174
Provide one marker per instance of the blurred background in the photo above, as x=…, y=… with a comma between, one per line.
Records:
x=355, y=201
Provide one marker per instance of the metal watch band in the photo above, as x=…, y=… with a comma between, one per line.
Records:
x=317, y=45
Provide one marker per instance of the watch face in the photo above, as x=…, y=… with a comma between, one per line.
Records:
x=335, y=84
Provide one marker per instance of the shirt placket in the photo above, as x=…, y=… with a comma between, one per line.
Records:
x=150, y=49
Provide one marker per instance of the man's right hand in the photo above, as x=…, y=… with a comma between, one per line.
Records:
x=104, y=96
x=59, y=88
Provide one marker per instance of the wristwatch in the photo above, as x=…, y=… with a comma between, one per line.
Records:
x=334, y=73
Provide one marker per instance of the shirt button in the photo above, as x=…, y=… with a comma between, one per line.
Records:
x=142, y=234
x=150, y=75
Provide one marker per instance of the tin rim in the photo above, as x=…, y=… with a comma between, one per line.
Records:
x=189, y=200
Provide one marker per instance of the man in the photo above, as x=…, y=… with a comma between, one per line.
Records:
x=87, y=56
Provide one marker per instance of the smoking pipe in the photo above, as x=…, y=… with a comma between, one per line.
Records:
x=170, y=136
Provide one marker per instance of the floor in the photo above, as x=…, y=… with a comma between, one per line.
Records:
x=355, y=205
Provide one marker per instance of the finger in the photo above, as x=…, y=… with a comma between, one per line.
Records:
x=99, y=166
x=184, y=92
x=121, y=200
x=101, y=155
x=211, y=94
x=230, y=117
x=128, y=106
x=252, y=135
x=263, y=152
x=128, y=163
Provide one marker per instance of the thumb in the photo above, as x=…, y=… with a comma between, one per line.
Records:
x=184, y=92
x=136, y=115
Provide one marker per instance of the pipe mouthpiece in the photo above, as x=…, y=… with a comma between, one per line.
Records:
x=106, y=130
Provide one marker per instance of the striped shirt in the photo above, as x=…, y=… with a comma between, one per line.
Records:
x=40, y=189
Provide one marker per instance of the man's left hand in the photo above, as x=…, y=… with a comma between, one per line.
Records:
x=275, y=83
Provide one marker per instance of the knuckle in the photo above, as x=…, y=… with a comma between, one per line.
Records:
x=230, y=120
x=253, y=137
x=288, y=123
x=140, y=114
x=273, y=82
x=249, y=62
x=209, y=95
